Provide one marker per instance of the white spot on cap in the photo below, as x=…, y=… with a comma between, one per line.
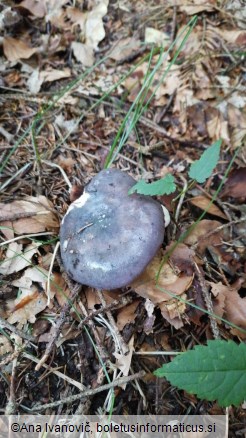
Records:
x=79, y=203
x=65, y=243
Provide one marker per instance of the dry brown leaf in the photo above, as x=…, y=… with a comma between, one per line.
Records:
x=77, y=17
x=237, y=37
x=37, y=78
x=66, y=163
x=182, y=257
x=5, y=345
x=169, y=280
x=44, y=216
x=202, y=83
x=195, y=6
x=150, y=320
x=202, y=202
x=34, y=274
x=166, y=87
x=124, y=48
x=94, y=29
x=52, y=74
x=200, y=235
x=237, y=120
x=173, y=310
x=59, y=289
x=127, y=315
x=27, y=306
x=36, y=8
x=54, y=10
x=15, y=49
x=123, y=361
x=156, y=36
x=16, y=258
x=233, y=305
x=83, y=53
x=217, y=126
x=93, y=300
x=236, y=184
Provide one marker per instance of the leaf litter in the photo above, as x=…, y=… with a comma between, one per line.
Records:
x=201, y=100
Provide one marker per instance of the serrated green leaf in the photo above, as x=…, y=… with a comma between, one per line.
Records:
x=213, y=372
x=202, y=169
x=163, y=186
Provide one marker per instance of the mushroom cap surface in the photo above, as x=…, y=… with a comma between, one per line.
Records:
x=107, y=236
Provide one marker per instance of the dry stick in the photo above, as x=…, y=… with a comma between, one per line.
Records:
x=90, y=323
x=11, y=405
x=100, y=348
x=221, y=227
x=73, y=382
x=13, y=329
x=21, y=215
x=147, y=122
x=91, y=392
x=115, y=304
x=12, y=356
x=208, y=301
x=174, y=24
x=124, y=348
x=60, y=321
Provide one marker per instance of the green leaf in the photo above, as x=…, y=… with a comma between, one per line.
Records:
x=202, y=169
x=213, y=372
x=162, y=186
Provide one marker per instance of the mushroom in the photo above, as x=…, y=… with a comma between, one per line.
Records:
x=107, y=236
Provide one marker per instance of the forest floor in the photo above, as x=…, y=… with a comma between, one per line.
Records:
x=69, y=72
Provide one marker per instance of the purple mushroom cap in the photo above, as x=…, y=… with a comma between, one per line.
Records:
x=107, y=236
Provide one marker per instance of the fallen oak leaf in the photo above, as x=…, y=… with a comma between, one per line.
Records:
x=16, y=258
x=27, y=306
x=228, y=300
x=43, y=216
x=15, y=49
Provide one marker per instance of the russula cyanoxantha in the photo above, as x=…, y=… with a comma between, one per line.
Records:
x=107, y=236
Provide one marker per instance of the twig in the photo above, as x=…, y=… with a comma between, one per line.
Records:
x=12, y=356
x=11, y=405
x=65, y=177
x=146, y=122
x=165, y=109
x=68, y=379
x=101, y=350
x=21, y=215
x=59, y=323
x=115, y=304
x=123, y=347
x=132, y=55
x=22, y=169
x=13, y=329
x=174, y=24
x=208, y=301
x=26, y=236
x=221, y=227
x=91, y=392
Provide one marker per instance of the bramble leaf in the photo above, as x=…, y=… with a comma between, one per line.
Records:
x=202, y=169
x=163, y=186
x=213, y=372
